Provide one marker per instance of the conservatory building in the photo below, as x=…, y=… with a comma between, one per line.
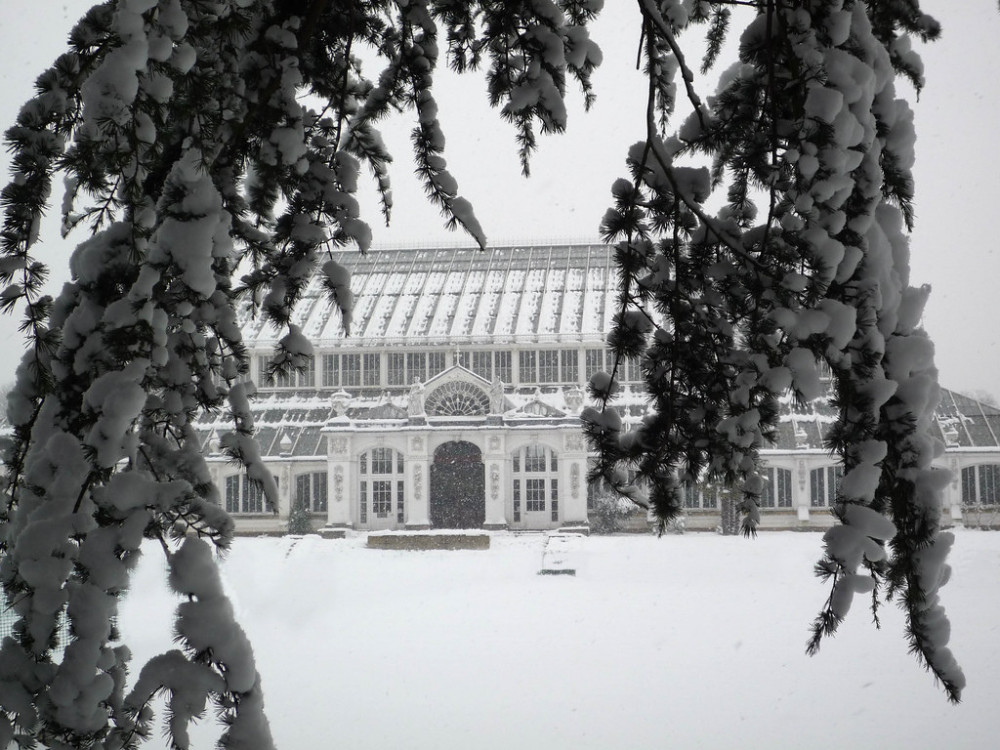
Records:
x=454, y=403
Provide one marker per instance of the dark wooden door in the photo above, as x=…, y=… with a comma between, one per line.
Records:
x=458, y=487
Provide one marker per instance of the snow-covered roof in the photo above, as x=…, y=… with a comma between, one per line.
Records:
x=427, y=296
x=965, y=422
x=291, y=423
x=961, y=422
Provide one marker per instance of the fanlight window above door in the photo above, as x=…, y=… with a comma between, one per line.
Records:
x=457, y=400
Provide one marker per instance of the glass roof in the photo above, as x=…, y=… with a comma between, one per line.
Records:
x=510, y=294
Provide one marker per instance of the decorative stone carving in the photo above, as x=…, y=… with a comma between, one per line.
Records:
x=574, y=398
x=338, y=483
x=495, y=481
x=339, y=445
x=574, y=479
x=494, y=442
x=496, y=396
x=417, y=444
x=418, y=481
x=340, y=401
x=574, y=442
x=415, y=407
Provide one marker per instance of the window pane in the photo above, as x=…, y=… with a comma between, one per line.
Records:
x=594, y=362
x=548, y=366
x=253, y=496
x=534, y=458
x=416, y=366
x=635, y=369
x=767, y=496
x=435, y=364
x=988, y=481
x=527, y=365
x=710, y=496
x=319, y=492
x=331, y=370
x=351, y=370
x=233, y=494
x=783, y=483
x=372, y=369
x=570, y=371
x=382, y=461
x=817, y=488
x=482, y=364
x=395, y=370
x=969, y=485
x=381, y=498
x=501, y=366
x=833, y=476
x=307, y=378
x=534, y=495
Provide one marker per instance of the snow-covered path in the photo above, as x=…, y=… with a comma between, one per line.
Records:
x=689, y=641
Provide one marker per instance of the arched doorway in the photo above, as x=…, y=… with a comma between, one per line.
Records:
x=458, y=487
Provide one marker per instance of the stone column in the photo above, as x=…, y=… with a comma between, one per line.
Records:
x=495, y=465
x=286, y=492
x=800, y=498
x=952, y=498
x=417, y=483
x=573, y=479
x=341, y=484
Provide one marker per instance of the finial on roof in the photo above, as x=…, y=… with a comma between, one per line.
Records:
x=339, y=401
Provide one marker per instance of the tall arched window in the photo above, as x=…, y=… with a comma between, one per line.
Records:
x=535, y=471
x=244, y=496
x=777, y=488
x=701, y=496
x=310, y=491
x=381, y=501
x=981, y=484
x=823, y=485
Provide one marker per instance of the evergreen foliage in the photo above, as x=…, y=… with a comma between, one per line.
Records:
x=805, y=263
x=298, y=518
x=211, y=149
x=610, y=513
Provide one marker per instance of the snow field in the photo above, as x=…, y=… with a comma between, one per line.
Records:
x=692, y=641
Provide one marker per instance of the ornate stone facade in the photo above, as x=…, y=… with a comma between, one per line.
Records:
x=458, y=394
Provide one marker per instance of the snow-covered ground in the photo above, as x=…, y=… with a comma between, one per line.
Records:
x=689, y=641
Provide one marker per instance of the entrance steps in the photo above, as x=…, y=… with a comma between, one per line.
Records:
x=561, y=554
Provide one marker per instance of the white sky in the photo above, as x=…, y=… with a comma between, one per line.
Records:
x=957, y=182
